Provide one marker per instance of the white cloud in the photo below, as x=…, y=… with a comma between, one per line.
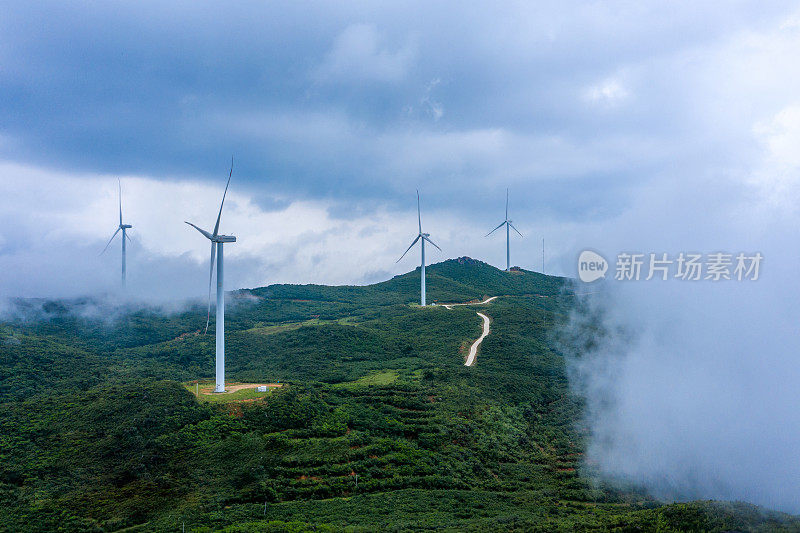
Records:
x=778, y=179
x=358, y=55
x=791, y=23
x=610, y=91
x=434, y=107
x=781, y=136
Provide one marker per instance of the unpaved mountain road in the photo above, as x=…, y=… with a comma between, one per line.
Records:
x=473, y=350
x=486, y=301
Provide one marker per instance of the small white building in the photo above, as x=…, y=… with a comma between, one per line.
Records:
x=262, y=388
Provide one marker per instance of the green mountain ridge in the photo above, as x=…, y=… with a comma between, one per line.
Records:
x=379, y=425
x=453, y=280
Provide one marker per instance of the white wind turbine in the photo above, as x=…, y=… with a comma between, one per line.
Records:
x=507, y=223
x=217, y=241
x=124, y=228
x=422, y=237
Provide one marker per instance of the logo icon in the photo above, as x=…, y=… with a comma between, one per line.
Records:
x=591, y=266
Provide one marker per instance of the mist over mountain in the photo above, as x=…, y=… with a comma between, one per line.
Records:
x=376, y=411
x=689, y=388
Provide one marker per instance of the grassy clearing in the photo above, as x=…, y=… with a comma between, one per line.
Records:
x=386, y=377
x=290, y=326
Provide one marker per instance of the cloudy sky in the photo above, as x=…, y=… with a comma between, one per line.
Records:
x=617, y=126
x=337, y=112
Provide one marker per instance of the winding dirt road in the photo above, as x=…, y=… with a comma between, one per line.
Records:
x=473, y=350
x=486, y=301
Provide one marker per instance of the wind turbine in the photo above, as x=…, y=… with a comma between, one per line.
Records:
x=422, y=237
x=124, y=228
x=507, y=223
x=217, y=241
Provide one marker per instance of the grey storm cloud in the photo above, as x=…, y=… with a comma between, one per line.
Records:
x=380, y=96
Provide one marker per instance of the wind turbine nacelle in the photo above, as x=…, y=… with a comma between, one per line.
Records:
x=225, y=238
x=125, y=226
x=426, y=234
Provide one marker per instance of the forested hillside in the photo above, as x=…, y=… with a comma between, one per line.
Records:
x=378, y=424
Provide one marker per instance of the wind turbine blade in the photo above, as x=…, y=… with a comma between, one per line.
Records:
x=120, y=200
x=216, y=226
x=206, y=234
x=109, y=241
x=515, y=229
x=495, y=229
x=210, y=277
x=407, y=249
x=128, y=237
x=506, y=203
x=433, y=243
x=419, y=215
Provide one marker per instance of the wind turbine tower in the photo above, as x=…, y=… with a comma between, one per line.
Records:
x=422, y=237
x=509, y=225
x=217, y=241
x=124, y=229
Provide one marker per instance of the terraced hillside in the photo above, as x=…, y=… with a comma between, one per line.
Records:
x=379, y=425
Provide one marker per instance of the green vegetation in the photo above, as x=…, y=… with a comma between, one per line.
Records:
x=378, y=378
x=379, y=425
